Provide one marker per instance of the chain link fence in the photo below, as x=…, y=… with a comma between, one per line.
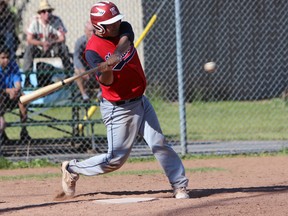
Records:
x=243, y=100
x=246, y=97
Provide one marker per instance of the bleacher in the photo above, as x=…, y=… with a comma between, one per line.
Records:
x=61, y=114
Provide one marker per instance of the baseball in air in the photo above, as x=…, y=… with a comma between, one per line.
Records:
x=210, y=67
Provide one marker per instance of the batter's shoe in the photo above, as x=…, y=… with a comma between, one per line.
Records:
x=181, y=193
x=68, y=180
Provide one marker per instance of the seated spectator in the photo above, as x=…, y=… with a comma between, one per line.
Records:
x=46, y=38
x=81, y=66
x=8, y=34
x=10, y=91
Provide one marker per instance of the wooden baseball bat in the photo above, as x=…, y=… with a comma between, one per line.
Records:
x=41, y=92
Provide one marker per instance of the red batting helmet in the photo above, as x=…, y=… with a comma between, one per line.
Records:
x=104, y=13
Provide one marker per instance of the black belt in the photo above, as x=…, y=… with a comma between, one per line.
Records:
x=118, y=103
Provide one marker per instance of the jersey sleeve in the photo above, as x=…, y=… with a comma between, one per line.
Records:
x=127, y=30
x=93, y=58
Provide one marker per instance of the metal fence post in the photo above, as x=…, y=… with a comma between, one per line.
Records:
x=182, y=109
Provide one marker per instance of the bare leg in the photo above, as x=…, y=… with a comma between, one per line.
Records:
x=80, y=84
x=2, y=137
x=23, y=118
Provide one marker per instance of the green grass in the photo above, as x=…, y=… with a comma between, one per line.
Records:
x=43, y=176
x=46, y=132
x=29, y=177
x=239, y=120
x=258, y=120
x=7, y=164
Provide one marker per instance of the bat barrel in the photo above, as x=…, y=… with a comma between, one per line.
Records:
x=41, y=92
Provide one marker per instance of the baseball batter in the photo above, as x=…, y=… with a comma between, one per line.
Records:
x=126, y=112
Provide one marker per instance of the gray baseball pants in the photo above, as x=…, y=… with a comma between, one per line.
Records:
x=123, y=124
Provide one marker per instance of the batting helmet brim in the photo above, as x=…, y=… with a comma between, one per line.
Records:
x=112, y=20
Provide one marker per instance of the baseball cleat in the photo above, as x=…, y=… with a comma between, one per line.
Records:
x=181, y=193
x=68, y=180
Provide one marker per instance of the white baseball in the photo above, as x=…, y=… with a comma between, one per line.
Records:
x=210, y=67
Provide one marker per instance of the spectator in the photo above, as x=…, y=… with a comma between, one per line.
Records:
x=10, y=91
x=8, y=28
x=46, y=37
x=80, y=65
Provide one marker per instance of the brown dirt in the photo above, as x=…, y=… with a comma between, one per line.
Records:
x=244, y=186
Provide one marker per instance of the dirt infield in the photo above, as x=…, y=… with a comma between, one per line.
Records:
x=233, y=186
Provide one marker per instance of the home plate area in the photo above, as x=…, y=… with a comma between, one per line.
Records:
x=125, y=200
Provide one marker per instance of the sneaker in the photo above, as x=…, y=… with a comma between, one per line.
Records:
x=181, y=193
x=68, y=180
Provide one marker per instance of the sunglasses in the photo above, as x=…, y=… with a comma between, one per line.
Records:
x=44, y=11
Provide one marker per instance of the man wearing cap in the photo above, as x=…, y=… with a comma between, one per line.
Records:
x=46, y=37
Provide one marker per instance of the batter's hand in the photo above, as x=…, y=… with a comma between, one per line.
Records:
x=104, y=67
x=106, y=76
x=114, y=59
x=110, y=63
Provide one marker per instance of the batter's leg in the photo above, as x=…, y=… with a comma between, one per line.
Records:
x=167, y=157
x=122, y=128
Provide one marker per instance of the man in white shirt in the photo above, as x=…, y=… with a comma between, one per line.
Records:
x=46, y=38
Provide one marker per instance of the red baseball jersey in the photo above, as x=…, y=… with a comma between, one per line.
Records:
x=129, y=78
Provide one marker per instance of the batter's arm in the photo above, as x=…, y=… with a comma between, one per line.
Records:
x=105, y=73
x=122, y=46
x=106, y=68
